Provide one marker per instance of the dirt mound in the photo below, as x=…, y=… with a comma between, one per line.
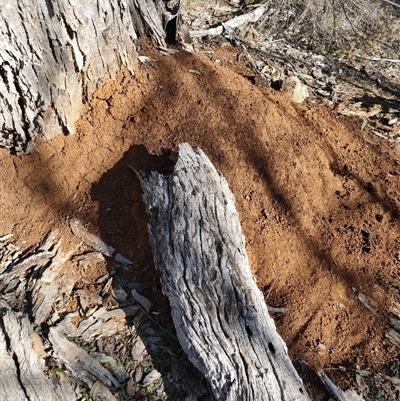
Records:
x=319, y=204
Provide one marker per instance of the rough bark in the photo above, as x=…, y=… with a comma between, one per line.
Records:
x=79, y=363
x=220, y=315
x=55, y=53
x=22, y=376
x=35, y=289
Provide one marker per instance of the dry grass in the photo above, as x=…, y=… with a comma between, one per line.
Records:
x=327, y=26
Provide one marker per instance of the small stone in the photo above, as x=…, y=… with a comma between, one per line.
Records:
x=151, y=377
x=317, y=73
x=294, y=87
x=101, y=392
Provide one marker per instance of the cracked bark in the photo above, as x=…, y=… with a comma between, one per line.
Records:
x=55, y=54
x=33, y=287
x=22, y=376
x=22, y=367
x=220, y=315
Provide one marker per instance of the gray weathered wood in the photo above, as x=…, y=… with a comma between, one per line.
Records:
x=103, y=323
x=338, y=393
x=53, y=284
x=78, y=362
x=220, y=315
x=22, y=376
x=252, y=16
x=40, y=276
x=35, y=286
x=10, y=387
x=95, y=242
x=55, y=54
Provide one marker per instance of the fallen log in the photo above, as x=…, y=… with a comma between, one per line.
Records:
x=220, y=315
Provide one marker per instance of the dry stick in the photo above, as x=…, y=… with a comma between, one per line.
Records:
x=338, y=393
x=271, y=308
x=386, y=60
x=272, y=286
x=391, y=2
x=348, y=19
x=369, y=141
x=162, y=328
x=252, y=16
x=237, y=39
x=378, y=134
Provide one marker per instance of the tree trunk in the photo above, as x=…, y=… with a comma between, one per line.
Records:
x=220, y=315
x=55, y=53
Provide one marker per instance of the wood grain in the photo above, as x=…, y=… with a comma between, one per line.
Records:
x=220, y=315
x=55, y=54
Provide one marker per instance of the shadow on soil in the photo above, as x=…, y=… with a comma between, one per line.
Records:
x=122, y=221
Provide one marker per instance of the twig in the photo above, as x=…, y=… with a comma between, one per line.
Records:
x=378, y=134
x=162, y=328
x=252, y=16
x=139, y=174
x=276, y=310
x=5, y=237
x=369, y=141
x=337, y=392
x=272, y=286
x=386, y=60
x=391, y=2
x=247, y=46
x=369, y=303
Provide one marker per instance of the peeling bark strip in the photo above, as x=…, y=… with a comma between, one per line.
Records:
x=220, y=315
x=55, y=53
x=22, y=376
x=79, y=363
